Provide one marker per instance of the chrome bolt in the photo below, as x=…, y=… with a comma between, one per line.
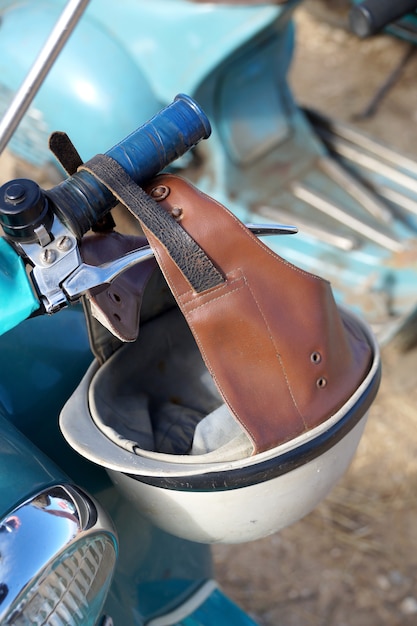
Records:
x=48, y=256
x=64, y=243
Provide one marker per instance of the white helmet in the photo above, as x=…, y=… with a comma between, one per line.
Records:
x=153, y=416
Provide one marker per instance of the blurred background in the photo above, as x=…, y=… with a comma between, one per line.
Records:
x=353, y=561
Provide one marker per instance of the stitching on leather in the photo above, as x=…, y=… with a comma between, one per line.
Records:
x=192, y=295
x=194, y=300
x=278, y=355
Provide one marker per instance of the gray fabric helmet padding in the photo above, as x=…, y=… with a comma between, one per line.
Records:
x=156, y=394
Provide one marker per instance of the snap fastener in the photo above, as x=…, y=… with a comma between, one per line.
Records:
x=160, y=193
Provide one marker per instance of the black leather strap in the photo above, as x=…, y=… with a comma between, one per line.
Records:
x=196, y=266
x=65, y=151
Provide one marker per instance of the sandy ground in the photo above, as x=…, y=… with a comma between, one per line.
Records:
x=353, y=560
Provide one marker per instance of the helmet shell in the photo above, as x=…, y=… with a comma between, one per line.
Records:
x=219, y=501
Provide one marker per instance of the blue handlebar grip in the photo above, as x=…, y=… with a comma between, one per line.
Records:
x=164, y=138
x=80, y=201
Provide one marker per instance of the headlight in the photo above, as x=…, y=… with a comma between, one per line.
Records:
x=57, y=555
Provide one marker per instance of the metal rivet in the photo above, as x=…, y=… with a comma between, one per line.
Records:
x=176, y=212
x=315, y=357
x=321, y=382
x=160, y=193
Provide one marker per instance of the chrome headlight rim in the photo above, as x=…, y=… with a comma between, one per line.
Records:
x=58, y=538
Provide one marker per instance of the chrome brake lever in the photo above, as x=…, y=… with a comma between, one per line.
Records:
x=87, y=277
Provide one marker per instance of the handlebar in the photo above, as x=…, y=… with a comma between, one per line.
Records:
x=27, y=212
x=371, y=16
x=80, y=201
x=49, y=245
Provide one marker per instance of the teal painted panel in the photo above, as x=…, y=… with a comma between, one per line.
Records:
x=218, y=609
x=17, y=300
x=24, y=470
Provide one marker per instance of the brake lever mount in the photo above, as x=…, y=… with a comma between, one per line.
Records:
x=52, y=264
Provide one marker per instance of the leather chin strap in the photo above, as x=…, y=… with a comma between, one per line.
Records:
x=270, y=334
